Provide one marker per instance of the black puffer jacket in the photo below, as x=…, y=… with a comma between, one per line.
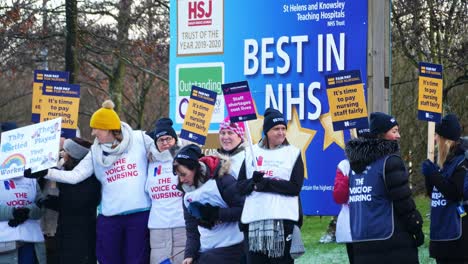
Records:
x=76, y=227
x=452, y=188
x=401, y=246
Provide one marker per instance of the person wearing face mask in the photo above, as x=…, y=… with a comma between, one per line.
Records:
x=212, y=207
x=166, y=221
x=118, y=159
x=272, y=207
x=231, y=140
x=447, y=185
x=385, y=224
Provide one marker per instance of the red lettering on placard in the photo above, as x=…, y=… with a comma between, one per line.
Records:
x=197, y=9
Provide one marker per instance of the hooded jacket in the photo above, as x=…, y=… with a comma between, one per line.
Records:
x=407, y=220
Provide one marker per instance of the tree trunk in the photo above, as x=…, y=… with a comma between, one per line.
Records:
x=71, y=60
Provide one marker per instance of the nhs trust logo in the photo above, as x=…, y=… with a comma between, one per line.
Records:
x=200, y=13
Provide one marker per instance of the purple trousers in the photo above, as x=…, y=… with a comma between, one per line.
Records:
x=123, y=239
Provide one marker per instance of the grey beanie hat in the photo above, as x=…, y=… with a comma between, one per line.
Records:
x=74, y=149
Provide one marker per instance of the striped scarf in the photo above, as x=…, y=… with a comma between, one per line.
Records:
x=267, y=237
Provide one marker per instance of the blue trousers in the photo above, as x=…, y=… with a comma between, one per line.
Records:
x=123, y=239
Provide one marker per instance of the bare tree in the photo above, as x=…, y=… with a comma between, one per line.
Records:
x=431, y=31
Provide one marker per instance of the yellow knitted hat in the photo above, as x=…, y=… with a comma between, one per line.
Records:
x=105, y=118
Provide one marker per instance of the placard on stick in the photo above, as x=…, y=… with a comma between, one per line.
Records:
x=41, y=76
x=198, y=117
x=239, y=101
x=61, y=100
x=345, y=92
x=430, y=92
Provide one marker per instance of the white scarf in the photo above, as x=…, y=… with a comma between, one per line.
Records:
x=113, y=154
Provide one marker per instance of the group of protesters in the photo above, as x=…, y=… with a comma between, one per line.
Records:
x=160, y=200
x=379, y=220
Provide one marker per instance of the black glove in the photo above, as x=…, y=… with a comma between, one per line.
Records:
x=206, y=224
x=209, y=213
x=414, y=222
x=246, y=188
x=419, y=238
x=35, y=175
x=49, y=202
x=13, y=223
x=20, y=215
x=257, y=176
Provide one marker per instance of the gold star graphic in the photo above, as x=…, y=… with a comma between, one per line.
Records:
x=300, y=137
x=331, y=136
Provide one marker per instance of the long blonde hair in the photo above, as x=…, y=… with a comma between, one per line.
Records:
x=445, y=146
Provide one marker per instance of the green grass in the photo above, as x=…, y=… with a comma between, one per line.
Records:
x=316, y=253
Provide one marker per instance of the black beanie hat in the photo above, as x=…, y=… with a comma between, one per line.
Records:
x=449, y=127
x=381, y=123
x=189, y=152
x=7, y=126
x=164, y=128
x=272, y=117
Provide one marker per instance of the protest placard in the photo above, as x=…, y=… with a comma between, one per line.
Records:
x=198, y=117
x=239, y=101
x=35, y=146
x=430, y=92
x=347, y=101
x=41, y=76
x=61, y=100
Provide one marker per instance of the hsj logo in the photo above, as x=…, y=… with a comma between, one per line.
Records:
x=200, y=12
x=157, y=170
x=9, y=184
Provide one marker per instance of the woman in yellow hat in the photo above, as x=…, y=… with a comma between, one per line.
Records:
x=118, y=158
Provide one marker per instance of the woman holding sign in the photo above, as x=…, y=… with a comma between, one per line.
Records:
x=166, y=221
x=272, y=207
x=385, y=224
x=118, y=159
x=447, y=186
